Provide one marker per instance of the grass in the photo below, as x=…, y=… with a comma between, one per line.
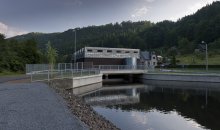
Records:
x=9, y=73
x=195, y=60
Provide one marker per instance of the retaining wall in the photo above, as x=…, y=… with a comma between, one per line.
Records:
x=182, y=77
x=70, y=83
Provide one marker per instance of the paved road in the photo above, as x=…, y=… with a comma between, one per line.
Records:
x=34, y=106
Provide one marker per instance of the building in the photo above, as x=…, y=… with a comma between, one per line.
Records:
x=115, y=56
x=148, y=58
x=106, y=56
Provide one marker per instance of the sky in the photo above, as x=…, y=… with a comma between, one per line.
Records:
x=23, y=16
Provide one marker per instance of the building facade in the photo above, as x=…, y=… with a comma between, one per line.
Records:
x=148, y=58
x=115, y=56
x=106, y=56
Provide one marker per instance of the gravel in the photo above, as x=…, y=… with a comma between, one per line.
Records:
x=84, y=111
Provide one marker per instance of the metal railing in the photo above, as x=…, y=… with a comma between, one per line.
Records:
x=60, y=66
x=47, y=75
x=46, y=72
x=119, y=67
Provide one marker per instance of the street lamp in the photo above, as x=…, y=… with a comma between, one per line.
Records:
x=75, y=47
x=206, y=54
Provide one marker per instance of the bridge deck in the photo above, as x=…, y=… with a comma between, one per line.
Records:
x=123, y=71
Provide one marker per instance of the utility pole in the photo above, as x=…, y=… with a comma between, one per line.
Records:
x=206, y=48
x=75, y=47
x=206, y=55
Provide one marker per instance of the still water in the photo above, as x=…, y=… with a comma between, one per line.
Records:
x=158, y=105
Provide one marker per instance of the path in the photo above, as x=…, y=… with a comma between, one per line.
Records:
x=34, y=106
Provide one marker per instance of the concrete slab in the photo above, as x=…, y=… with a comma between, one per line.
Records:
x=34, y=106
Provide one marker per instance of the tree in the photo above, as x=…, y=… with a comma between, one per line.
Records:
x=2, y=37
x=185, y=46
x=51, y=54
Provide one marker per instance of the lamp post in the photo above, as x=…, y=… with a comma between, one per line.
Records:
x=206, y=54
x=75, y=47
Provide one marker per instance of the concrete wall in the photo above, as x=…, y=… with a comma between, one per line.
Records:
x=86, y=80
x=181, y=77
x=70, y=83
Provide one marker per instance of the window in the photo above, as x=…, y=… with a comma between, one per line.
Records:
x=154, y=63
x=135, y=52
x=109, y=51
x=118, y=51
x=127, y=52
x=89, y=50
x=154, y=57
x=99, y=50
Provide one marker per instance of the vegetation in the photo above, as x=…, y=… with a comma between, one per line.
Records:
x=14, y=55
x=51, y=54
x=167, y=38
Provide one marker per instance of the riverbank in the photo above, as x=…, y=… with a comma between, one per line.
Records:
x=83, y=111
x=187, y=77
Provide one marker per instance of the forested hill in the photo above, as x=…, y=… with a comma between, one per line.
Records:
x=185, y=34
x=110, y=35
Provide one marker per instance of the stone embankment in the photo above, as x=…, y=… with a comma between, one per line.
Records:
x=84, y=112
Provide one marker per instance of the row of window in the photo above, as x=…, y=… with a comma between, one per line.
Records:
x=110, y=51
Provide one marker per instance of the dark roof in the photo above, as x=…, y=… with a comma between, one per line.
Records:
x=145, y=55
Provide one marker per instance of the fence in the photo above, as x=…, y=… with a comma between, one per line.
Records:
x=119, y=67
x=60, y=66
x=47, y=75
x=42, y=72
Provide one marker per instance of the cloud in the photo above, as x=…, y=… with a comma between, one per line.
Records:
x=149, y=1
x=139, y=13
x=192, y=9
x=10, y=31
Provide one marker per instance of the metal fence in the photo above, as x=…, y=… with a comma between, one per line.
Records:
x=119, y=67
x=60, y=66
x=47, y=75
x=42, y=72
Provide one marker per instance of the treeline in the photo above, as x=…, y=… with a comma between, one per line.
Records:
x=166, y=38
x=14, y=55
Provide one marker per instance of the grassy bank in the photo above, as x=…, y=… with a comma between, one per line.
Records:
x=9, y=73
x=193, y=59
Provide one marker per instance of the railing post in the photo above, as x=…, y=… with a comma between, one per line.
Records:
x=31, y=76
x=48, y=75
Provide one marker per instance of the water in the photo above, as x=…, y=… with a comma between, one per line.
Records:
x=158, y=105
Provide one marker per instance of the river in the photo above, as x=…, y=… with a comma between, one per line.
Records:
x=158, y=105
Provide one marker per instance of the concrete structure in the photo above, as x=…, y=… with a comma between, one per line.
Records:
x=183, y=77
x=70, y=83
x=106, y=56
x=115, y=56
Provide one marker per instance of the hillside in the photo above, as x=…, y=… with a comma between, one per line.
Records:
x=183, y=35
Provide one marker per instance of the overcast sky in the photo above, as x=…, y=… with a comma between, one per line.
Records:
x=23, y=16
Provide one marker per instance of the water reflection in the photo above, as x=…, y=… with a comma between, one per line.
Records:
x=159, y=105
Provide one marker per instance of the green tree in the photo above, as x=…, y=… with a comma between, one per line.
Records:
x=185, y=46
x=51, y=54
